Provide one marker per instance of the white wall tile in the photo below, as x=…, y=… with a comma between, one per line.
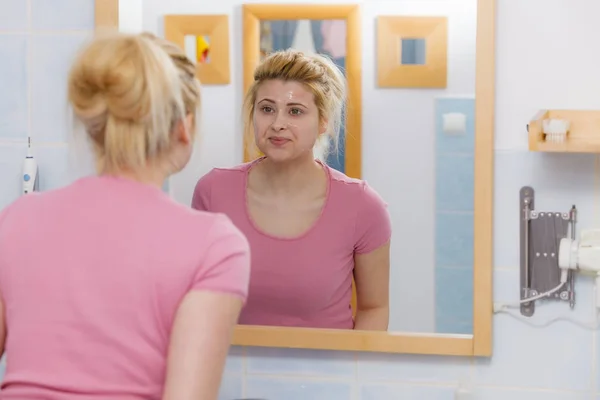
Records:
x=62, y=15
x=13, y=16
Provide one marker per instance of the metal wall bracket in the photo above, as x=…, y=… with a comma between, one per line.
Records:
x=540, y=237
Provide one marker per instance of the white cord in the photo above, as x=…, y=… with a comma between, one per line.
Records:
x=506, y=308
x=563, y=279
x=586, y=325
x=541, y=295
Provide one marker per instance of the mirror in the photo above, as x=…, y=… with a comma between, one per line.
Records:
x=428, y=154
x=412, y=51
x=431, y=270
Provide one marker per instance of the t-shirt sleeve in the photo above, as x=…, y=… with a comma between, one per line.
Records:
x=226, y=264
x=202, y=193
x=373, y=224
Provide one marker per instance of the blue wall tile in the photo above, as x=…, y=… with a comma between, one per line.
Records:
x=11, y=164
x=62, y=14
x=518, y=394
x=52, y=58
x=13, y=16
x=453, y=239
x=231, y=386
x=234, y=360
x=265, y=360
x=459, y=143
x=53, y=164
x=263, y=387
x=13, y=94
x=406, y=392
x=526, y=356
x=454, y=182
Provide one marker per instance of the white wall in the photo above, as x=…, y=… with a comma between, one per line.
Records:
x=398, y=136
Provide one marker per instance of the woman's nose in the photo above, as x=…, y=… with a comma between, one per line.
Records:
x=280, y=122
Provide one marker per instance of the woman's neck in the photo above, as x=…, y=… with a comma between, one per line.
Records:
x=287, y=178
x=150, y=176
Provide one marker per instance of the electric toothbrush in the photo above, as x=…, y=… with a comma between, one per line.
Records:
x=30, y=172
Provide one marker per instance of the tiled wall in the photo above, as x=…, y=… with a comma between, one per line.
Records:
x=454, y=191
x=558, y=362
x=38, y=39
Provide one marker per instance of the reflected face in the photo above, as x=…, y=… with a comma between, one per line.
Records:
x=286, y=120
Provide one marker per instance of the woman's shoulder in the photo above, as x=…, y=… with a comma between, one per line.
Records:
x=354, y=190
x=218, y=183
x=221, y=176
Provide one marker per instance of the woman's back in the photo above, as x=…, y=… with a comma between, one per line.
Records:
x=91, y=277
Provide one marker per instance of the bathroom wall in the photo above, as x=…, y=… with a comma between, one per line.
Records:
x=37, y=41
x=534, y=70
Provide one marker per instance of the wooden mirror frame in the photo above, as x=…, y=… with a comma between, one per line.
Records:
x=480, y=342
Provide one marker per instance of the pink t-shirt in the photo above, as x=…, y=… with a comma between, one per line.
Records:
x=91, y=276
x=304, y=281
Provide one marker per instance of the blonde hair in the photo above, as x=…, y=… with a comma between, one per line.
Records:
x=130, y=91
x=318, y=73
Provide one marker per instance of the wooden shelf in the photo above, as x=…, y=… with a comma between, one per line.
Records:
x=583, y=136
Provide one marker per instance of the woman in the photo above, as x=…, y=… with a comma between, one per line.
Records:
x=310, y=228
x=110, y=290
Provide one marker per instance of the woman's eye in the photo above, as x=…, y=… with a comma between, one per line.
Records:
x=295, y=111
x=267, y=109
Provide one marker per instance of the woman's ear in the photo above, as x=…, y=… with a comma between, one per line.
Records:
x=184, y=128
x=323, y=126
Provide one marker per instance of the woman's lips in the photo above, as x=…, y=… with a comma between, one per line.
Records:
x=278, y=141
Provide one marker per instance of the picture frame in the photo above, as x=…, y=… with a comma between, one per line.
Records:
x=428, y=33
x=213, y=30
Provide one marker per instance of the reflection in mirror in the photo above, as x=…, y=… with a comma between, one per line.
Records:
x=418, y=154
x=326, y=37
x=412, y=51
x=197, y=48
x=431, y=198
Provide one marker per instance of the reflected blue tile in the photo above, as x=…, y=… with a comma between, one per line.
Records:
x=62, y=14
x=453, y=295
x=13, y=15
x=454, y=182
x=52, y=59
x=13, y=94
x=454, y=239
x=454, y=301
x=296, y=389
x=455, y=143
x=453, y=326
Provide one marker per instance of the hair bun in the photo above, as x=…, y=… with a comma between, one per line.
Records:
x=106, y=78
